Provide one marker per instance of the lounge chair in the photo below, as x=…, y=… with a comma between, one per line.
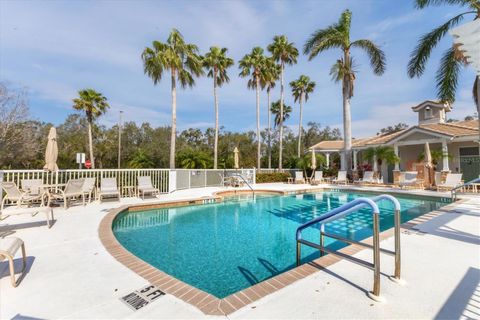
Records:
x=73, y=190
x=15, y=211
x=89, y=188
x=409, y=179
x=32, y=186
x=453, y=180
x=108, y=188
x=341, y=178
x=8, y=248
x=299, y=177
x=317, y=177
x=367, y=178
x=145, y=186
x=438, y=178
x=19, y=198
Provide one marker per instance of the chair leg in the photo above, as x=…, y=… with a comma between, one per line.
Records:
x=12, y=271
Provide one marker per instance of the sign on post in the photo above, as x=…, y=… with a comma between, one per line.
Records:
x=80, y=159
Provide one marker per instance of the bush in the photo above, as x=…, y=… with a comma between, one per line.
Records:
x=272, y=177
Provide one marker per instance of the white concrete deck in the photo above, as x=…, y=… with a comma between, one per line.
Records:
x=70, y=274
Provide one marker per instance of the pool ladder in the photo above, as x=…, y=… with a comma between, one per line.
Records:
x=345, y=210
x=246, y=182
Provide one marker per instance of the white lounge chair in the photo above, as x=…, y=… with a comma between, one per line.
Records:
x=8, y=248
x=341, y=178
x=453, y=180
x=438, y=178
x=17, y=197
x=89, y=188
x=108, y=188
x=32, y=186
x=145, y=186
x=367, y=178
x=409, y=179
x=317, y=177
x=15, y=211
x=299, y=177
x=73, y=190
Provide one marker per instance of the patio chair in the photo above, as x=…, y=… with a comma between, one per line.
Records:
x=438, y=178
x=108, y=188
x=367, y=178
x=145, y=186
x=299, y=177
x=341, y=178
x=73, y=190
x=318, y=177
x=89, y=188
x=453, y=180
x=15, y=211
x=409, y=179
x=32, y=186
x=8, y=248
x=19, y=198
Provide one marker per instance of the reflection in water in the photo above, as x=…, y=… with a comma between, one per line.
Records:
x=139, y=220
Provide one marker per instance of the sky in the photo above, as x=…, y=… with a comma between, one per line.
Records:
x=55, y=48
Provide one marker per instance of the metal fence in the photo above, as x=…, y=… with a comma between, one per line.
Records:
x=165, y=180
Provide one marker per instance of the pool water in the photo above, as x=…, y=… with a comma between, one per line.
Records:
x=225, y=247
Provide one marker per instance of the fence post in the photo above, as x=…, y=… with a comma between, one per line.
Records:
x=254, y=176
x=172, y=180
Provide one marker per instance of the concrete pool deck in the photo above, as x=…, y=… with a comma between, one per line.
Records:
x=71, y=275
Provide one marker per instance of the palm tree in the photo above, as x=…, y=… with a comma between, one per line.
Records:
x=338, y=36
x=452, y=59
x=183, y=62
x=216, y=63
x=276, y=111
x=270, y=74
x=252, y=64
x=283, y=52
x=94, y=104
x=301, y=88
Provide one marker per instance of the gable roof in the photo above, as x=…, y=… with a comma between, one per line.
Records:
x=435, y=104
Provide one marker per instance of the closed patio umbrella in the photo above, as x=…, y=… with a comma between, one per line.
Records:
x=51, y=153
x=428, y=162
x=314, y=160
x=235, y=158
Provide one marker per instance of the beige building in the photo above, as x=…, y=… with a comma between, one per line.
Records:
x=457, y=141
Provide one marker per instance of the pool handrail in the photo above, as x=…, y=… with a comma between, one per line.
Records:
x=244, y=180
x=453, y=192
x=344, y=210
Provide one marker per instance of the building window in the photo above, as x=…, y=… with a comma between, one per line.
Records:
x=428, y=113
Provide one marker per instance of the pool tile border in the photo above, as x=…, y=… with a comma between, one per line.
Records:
x=205, y=302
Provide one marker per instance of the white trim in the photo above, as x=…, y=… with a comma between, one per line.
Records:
x=418, y=130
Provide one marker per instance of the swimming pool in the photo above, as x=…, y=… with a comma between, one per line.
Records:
x=224, y=247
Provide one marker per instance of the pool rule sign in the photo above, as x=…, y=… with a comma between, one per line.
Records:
x=140, y=298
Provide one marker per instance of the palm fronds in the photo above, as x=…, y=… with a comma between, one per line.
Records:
x=420, y=4
x=376, y=55
x=447, y=76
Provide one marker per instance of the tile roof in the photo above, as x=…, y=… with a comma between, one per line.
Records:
x=454, y=129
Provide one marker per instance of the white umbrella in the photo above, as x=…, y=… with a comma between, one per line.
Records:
x=51, y=153
x=235, y=158
x=314, y=160
x=428, y=162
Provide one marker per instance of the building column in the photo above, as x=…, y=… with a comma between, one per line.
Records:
x=445, y=156
x=327, y=157
x=355, y=160
x=397, y=164
x=342, y=161
x=375, y=165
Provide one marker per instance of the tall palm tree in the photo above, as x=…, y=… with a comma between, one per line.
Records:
x=251, y=65
x=216, y=63
x=338, y=36
x=277, y=111
x=283, y=52
x=270, y=74
x=183, y=62
x=301, y=88
x=94, y=104
x=452, y=59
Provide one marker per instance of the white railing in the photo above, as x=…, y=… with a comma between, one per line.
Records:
x=165, y=180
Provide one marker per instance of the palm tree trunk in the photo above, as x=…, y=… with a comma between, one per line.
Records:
x=215, y=147
x=268, y=131
x=257, y=87
x=347, y=118
x=300, y=128
x=174, y=122
x=280, y=155
x=90, y=144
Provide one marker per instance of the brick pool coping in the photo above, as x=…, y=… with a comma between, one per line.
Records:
x=205, y=302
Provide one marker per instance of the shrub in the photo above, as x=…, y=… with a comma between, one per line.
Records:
x=272, y=177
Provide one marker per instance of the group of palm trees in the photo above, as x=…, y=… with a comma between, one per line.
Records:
x=183, y=62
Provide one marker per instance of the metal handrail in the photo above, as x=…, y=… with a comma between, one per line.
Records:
x=345, y=210
x=244, y=180
x=453, y=192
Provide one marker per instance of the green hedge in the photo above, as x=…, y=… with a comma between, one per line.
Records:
x=272, y=177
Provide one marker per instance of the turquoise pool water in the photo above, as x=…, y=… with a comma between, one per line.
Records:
x=226, y=247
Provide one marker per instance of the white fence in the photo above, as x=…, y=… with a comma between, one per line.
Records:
x=165, y=180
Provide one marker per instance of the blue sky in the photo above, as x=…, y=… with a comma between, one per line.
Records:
x=55, y=48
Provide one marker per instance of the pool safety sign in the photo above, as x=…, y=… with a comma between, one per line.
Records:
x=140, y=298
